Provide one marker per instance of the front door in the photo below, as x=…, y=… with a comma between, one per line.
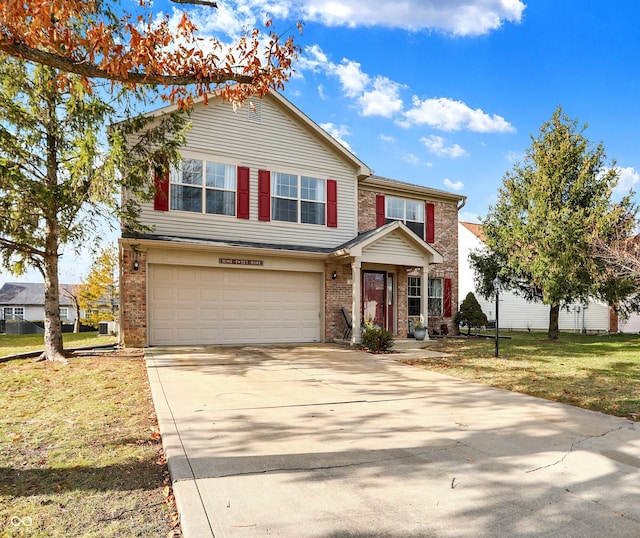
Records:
x=374, y=297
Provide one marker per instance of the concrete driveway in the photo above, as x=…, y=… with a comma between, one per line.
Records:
x=323, y=441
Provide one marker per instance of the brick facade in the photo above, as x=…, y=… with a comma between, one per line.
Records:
x=338, y=293
x=445, y=242
x=133, y=297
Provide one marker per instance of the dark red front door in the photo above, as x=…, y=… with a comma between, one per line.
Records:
x=374, y=304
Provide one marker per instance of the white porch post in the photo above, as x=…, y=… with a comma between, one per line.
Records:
x=424, y=289
x=356, y=334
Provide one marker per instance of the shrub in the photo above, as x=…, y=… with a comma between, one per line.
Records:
x=470, y=313
x=377, y=340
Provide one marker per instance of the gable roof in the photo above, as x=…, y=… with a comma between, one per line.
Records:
x=475, y=229
x=357, y=246
x=29, y=294
x=362, y=170
x=395, y=185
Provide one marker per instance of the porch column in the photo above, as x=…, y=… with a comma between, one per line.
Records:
x=424, y=307
x=356, y=300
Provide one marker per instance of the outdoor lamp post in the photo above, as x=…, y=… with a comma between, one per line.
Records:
x=496, y=287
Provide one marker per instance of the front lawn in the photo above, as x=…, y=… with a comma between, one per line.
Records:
x=80, y=452
x=601, y=373
x=12, y=344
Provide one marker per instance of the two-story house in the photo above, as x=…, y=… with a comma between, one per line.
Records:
x=270, y=227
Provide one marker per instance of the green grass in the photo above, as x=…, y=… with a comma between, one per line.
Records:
x=80, y=453
x=12, y=344
x=601, y=373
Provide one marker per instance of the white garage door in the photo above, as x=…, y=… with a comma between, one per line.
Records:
x=195, y=305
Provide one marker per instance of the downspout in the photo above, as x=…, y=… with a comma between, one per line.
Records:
x=464, y=202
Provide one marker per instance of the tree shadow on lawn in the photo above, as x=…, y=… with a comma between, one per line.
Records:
x=133, y=475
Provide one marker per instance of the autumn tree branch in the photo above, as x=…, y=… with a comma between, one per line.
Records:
x=90, y=70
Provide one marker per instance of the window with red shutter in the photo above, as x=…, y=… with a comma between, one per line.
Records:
x=264, y=195
x=332, y=203
x=161, y=183
x=447, y=310
x=431, y=220
x=243, y=193
x=380, y=211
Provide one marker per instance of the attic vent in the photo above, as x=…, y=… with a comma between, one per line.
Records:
x=255, y=111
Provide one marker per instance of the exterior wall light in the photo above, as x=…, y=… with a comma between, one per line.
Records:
x=334, y=275
x=136, y=265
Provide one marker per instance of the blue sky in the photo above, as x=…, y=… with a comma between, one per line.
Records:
x=446, y=93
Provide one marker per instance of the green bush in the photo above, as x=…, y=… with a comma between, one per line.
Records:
x=377, y=340
x=470, y=313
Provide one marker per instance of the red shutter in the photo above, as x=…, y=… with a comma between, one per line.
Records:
x=431, y=220
x=332, y=203
x=242, y=200
x=380, y=216
x=447, y=298
x=161, y=182
x=264, y=195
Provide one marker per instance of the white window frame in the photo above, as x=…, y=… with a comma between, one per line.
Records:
x=13, y=313
x=176, y=181
x=431, y=298
x=402, y=208
x=412, y=287
x=64, y=312
x=296, y=194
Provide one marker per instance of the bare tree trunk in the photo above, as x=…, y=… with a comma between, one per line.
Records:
x=53, y=346
x=554, y=315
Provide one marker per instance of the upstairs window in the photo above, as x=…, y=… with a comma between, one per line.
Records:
x=204, y=187
x=411, y=212
x=298, y=199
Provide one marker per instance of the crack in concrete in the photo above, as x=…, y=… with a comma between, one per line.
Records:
x=336, y=466
x=573, y=445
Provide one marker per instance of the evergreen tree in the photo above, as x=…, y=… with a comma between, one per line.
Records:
x=470, y=313
x=541, y=236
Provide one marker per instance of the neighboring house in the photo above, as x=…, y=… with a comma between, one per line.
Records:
x=25, y=301
x=515, y=312
x=271, y=227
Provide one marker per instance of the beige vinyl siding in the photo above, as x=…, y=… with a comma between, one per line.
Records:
x=394, y=250
x=277, y=143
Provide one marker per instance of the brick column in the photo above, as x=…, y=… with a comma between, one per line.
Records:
x=133, y=297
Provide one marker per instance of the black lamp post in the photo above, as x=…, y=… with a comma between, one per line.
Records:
x=496, y=287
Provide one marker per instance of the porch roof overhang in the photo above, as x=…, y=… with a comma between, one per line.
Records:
x=393, y=244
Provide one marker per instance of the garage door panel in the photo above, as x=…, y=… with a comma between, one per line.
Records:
x=232, y=306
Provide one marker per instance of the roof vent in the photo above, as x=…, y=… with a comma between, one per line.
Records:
x=255, y=111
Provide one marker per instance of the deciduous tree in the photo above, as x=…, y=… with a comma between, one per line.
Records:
x=98, y=294
x=552, y=209
x=97, y=39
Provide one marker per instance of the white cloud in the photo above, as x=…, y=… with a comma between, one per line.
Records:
x=351, y=77
x=386, y=138
x=449, y=115
x=382, y=100
x=338, y=132
x=435, y=144
x=456, y=186
x=461, y=18
x=321, y=93
x=413, y=159
x=628, y=178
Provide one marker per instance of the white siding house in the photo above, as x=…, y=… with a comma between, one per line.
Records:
x=515, y=312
